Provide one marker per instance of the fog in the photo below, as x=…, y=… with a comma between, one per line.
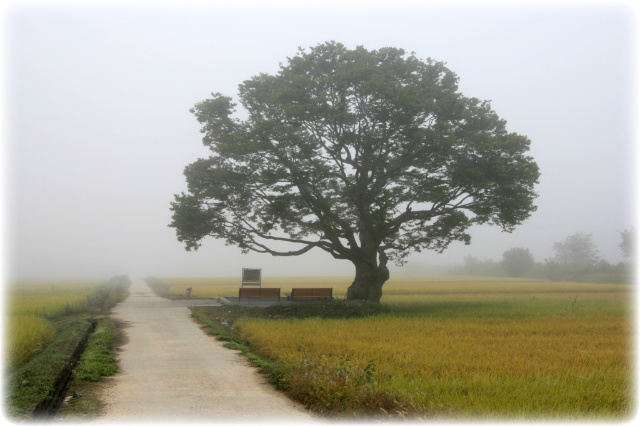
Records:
x=97, y=129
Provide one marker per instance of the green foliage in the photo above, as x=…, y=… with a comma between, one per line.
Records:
x=334, y=309
x=577, y=250
x=110, y=293
x=600, y=272
x=517, y=261
x=219, y=322
x=34, y=381
x=107, y=295
x=628, y=243
x=216, y=317
x=367, y=155
x=160, y=288
x=474, y=266
x=96, y=360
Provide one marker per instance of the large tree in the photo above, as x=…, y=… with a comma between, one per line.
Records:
x=517, y=261
x=627, y=245
x=367, y=155
x=577, y=250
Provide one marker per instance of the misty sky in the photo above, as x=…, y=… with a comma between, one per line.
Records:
x=97, y=129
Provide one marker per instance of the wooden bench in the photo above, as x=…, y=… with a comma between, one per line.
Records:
x=310, y=294
x=259, y=293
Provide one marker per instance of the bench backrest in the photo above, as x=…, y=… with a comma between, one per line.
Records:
x=259, y=292
x=251, y=277
x=312, y=292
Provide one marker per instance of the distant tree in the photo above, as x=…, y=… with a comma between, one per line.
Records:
x=578, y=250
x=517, y=261
x=474, y=266
x=627, y=245
x=471, y=265
x=552, y=268
x=367, y=155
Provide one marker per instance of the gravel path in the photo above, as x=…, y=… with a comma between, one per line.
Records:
x=171, y=371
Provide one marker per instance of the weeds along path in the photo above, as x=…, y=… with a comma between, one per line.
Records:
x=170, y=370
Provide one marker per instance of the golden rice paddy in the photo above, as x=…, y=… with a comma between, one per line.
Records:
x=26, y=306
x=27, y=334
x=409, y=289
x=461, y=347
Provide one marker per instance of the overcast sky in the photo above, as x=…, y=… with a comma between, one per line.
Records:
x=97, y=129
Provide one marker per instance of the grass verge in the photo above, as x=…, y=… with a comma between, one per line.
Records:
x=219, y=323
x=34, y=387
x=35, y=382
x=97, y=360
x=345, y=375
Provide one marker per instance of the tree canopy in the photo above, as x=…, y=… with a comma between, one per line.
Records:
x=517, y=261
x=627, y=245
x=365, y=154
x=577, y=250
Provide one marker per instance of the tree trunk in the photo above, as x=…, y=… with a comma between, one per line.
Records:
x=368, y=282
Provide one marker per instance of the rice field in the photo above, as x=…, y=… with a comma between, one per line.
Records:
x=487, y=367
x=460, y=348
x=406, y=289
x=46, y=297
x=27, y=334
x=27, y=307
x=228, y=287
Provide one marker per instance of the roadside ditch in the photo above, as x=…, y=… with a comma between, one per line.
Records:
x=37, y=389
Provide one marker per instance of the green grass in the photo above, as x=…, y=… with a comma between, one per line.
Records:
x=84, y=402
x=96, y=360
x=32, y=381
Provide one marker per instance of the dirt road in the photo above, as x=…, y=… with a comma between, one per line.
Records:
x=171, y=371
